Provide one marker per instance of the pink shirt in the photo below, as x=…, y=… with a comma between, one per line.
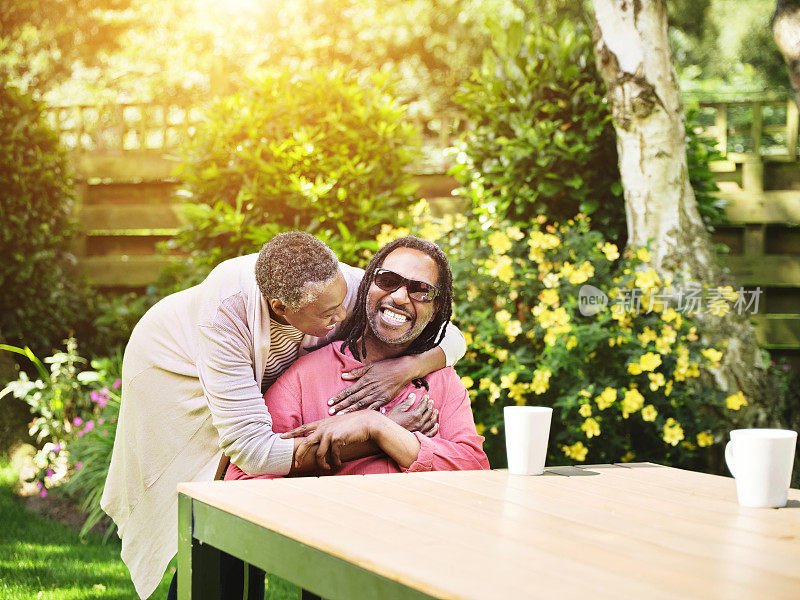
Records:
x=301, y=394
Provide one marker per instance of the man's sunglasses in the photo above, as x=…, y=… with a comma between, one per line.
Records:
x=389, y=281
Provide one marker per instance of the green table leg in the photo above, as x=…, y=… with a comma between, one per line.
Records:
x=198, y=563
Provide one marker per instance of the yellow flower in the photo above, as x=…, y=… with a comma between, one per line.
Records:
x=631, y=402
x=549, y=297
x=673, y=432
x=576, y=451
x=628, y=456
x=719, y=307
x=430, y=231
x=606, y=398
x=585, y=410
x=512, y=329
x=501, y=354
x=736, y=401
x=649, y=361
x=468, y=338
x=634, y=369
x=712, y=354
x=571, y=342
x=506, y=381
x=705, y=438
x=647, y=336
x=420, y=208
x=585, y=393
x=502, y=268
x=389, y=234
x=646, y=281
x=472, y=292
x=467, y=381
x=649, y=413
x=503, y=316
x=656, y=381
x=541, y=379
x=670, y=315
x=515, y=233
x=643, y=255
x=493, y=430
x=590, y=427
x=480, y=428
x=611, y=251
x=499, y=242
x=668, y=388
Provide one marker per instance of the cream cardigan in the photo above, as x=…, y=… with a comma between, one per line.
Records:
x=191, y=380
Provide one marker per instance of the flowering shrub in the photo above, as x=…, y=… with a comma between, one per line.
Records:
x=625, y=382
x=74, y=407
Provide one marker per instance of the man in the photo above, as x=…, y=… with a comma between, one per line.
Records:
x=403, y=304
x=193, y=378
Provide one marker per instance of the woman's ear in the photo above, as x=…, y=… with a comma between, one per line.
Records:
x=277, y=307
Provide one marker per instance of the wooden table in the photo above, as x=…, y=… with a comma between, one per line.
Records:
x=636, y=531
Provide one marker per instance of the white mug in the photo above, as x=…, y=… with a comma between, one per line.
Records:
x=761, y=461
x=527, y=431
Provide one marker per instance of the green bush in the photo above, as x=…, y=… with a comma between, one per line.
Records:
x=541, y=140
x=314, y=150
x=41, y=301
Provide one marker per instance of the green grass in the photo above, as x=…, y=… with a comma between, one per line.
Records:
x=44, y=560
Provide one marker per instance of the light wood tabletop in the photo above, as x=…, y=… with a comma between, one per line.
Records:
x=638, y=531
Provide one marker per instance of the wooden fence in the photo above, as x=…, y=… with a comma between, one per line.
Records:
x=122, y=156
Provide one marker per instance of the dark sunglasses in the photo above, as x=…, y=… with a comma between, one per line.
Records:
x=389, y=281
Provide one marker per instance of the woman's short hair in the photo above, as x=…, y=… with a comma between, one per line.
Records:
x=295, y=267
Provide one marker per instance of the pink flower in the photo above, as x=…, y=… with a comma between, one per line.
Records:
x=50, y=472
x=38, y=485
x=89, y=426
x=102, y=401
x=81, y=433
x=94, y=396
x=56, y=449
x=100, y=421
x=117, y=383
x=77, y=421
x=105, y=391
x=43, y=493
x=105, y=432
x=78, y=465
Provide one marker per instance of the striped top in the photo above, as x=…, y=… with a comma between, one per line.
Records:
x=284, y=346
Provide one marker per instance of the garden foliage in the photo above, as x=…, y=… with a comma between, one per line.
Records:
x=625, y=383
x=75, y=406
x=318, y=150
x=40, y=300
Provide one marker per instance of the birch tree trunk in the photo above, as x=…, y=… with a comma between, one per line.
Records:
x=634, y=59
x=785, y=26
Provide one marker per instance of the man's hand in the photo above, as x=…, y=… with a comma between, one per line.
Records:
x=378, y=383
x=424, y=418
x=326, y=437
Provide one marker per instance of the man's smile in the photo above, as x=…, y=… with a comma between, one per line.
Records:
x=393, y=316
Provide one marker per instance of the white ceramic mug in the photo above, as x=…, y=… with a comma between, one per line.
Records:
x=527, y=431
x=761, y=461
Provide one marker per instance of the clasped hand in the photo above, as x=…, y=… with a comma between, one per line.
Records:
x=327, y=437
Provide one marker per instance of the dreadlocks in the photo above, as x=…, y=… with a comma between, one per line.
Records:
x=355, y=326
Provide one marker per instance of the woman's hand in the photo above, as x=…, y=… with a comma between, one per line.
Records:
x=378, y=383
x=326, y=437
x=424, y=418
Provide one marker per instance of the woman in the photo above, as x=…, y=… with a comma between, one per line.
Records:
x=194, y=372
